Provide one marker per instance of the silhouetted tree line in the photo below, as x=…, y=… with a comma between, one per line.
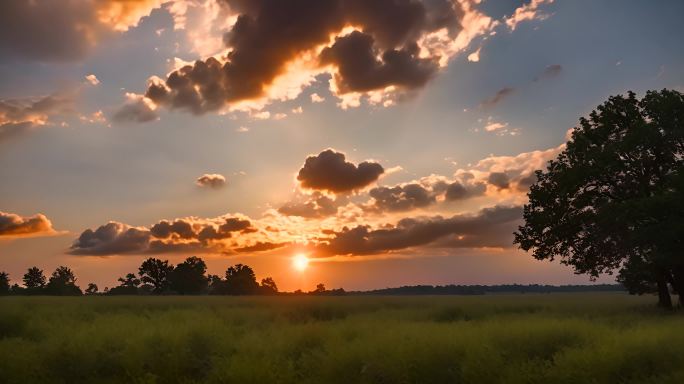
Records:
x=154, y=277
x=490, y=289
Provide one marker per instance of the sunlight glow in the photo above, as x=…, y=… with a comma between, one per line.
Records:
x=300, y=262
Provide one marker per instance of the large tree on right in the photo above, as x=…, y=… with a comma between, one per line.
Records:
x=613, y=198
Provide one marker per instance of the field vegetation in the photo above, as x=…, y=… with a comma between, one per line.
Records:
x=533, y=338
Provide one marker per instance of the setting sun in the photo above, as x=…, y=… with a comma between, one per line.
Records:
x=300, y=262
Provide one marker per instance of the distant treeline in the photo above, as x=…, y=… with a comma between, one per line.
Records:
x=490, y=289
x=158, y=277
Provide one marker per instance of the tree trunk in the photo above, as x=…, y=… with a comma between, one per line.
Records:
x=664, y=300
x=678, y=283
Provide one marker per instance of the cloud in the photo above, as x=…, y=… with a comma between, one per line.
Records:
x=166, y=236
x=211, y=180
x=500, y=95
x=315, y=98
x=21, y=115
x=137, y=108
x=359, y=70
x=92, y=79
x=316, y=205
x=499, y=180
x=260, y=247
x=527, y=12
x=329, y=171
x=475, y=56
x=373, y=49
x=401, y=198
x=64, y=30
x=13, y=225
x=460, y=190
x=495, y=126
x=550, y=71
x=490, y=227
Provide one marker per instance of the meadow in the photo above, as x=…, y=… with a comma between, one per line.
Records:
x=534, y=338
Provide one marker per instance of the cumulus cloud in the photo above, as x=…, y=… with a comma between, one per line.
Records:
x=329, y=171
x=137, y=108
x=527, y=12
x=20, y=115
x=211, y=180
x=402, y=197
x=166, y=236
x=490, y=227
x=64, y=30
x=374, y=49
x=316, y=205
x=13, y=225
x=92, y=79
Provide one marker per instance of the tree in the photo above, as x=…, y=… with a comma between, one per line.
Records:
x=129, y=285
x=188, y=278
x=34, y=280
x=63, y=283
x=92, y=289
x=268, y=286
x=156, y=273
x=4, y=284
x=240, y=280
x=320, y=288
x=612, y=199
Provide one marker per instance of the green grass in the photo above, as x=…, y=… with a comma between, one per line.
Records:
x=558, y=338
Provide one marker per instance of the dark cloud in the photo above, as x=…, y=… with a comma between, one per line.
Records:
x=211, y=180
x=268, y=34
x=166, y=236
x=63, y=30
x=331, y=172
x=550, y=71
x=491, y=227
x=315, y=206
x=359, y=70
x=13, y=225
x=401, y=198
x=18, y=116
x=500, y=95
x=461, y=191
x=111, y=239
x=260, y=246
x=499, y=180
x=136, y=110
x=178, y=229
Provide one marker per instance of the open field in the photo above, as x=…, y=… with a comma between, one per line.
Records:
x=560, y=338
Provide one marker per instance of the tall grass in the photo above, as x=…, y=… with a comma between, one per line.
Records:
x=559, y=338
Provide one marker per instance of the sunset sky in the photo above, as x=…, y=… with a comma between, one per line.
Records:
x=392, y=142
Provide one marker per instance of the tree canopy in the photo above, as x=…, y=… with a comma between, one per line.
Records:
x=612, y=199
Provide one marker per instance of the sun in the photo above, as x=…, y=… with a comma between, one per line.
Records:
x=300, y=262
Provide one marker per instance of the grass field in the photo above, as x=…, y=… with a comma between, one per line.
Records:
x=557, y=338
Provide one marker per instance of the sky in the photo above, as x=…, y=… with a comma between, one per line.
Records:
x=391, y=142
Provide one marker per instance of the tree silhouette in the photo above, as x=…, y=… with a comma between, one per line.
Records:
x=240, y=280
x=156, y=273
x=63, y=283
x=268, y=286
x=128, y=286
x=612, y=200
x=188, y=277
x=34, y=280
x=4, y=284
x=320, y=288
x=92, y=289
